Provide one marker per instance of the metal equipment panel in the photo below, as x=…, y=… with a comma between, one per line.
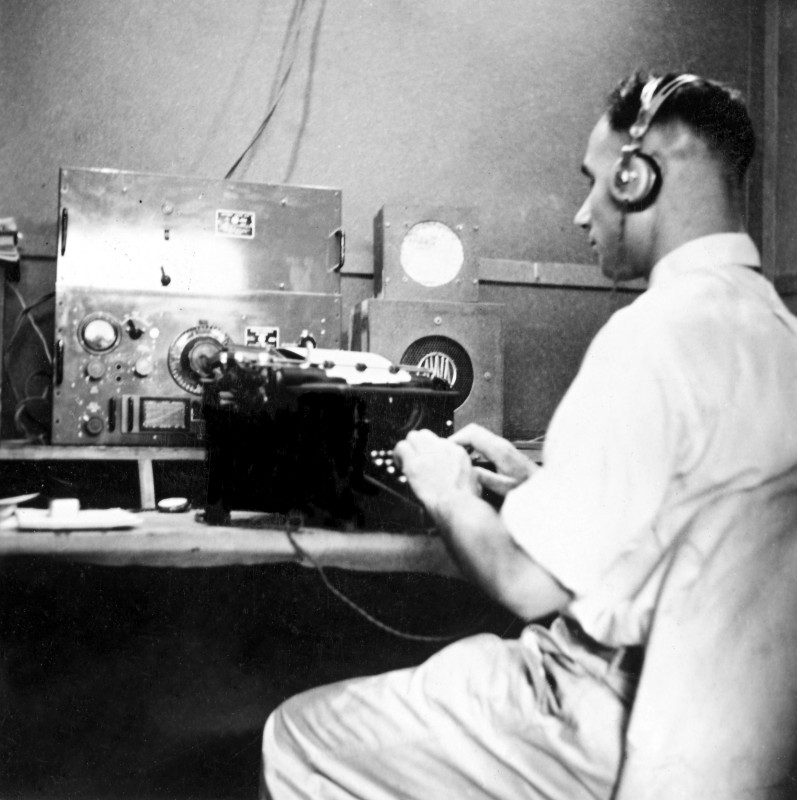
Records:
x=136, y=231
x=129, y=368
x=157, y=273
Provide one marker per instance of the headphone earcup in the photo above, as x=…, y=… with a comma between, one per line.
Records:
x=635, y=181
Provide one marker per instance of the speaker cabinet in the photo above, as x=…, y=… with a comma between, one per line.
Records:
x=461, y=342
x=426, y=253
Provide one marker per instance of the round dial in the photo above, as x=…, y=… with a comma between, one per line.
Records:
x=431, y=253
x=192, y=353
x=99, y=333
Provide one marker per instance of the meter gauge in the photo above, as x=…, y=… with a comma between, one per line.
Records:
x=99, y=333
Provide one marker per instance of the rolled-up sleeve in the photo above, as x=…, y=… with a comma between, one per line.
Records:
x=607, y=460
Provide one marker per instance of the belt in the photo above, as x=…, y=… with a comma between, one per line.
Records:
x=627, y=659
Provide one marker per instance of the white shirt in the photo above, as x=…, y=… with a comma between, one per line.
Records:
x=686, y=400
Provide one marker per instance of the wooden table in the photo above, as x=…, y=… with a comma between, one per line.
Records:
x=179, y=540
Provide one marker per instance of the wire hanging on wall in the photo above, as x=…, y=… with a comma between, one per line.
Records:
x=30, y=407
x=290, y=43
x=308, y=92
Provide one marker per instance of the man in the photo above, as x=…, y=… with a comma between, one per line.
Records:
x=643, y=449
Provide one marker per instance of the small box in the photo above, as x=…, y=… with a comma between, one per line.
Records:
x=426, y=253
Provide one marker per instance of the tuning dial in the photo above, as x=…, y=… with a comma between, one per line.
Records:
x=192, y=353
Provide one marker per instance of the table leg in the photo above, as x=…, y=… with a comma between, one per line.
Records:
x=146, y=483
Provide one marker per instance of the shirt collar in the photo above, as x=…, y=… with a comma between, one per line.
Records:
x=715, y=250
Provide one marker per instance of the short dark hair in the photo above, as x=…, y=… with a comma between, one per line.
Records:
x=715, y=111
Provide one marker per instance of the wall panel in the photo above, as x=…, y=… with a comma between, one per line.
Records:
x=449, y=101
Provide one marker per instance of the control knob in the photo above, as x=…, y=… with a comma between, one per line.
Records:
x=95, y=369
x=192, y=353
x=94, y=426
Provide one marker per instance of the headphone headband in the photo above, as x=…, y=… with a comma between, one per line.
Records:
x=651, y=99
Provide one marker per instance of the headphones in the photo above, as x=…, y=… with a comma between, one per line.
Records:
x=636, y=179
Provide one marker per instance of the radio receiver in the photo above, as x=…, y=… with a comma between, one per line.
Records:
x=157, y=274
x=311, y=431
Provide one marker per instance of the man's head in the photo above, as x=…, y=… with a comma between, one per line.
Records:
x=693, y=154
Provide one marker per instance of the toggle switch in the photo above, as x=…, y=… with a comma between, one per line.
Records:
x=134, y=329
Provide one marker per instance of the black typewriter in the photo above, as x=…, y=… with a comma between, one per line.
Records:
x=309, y=433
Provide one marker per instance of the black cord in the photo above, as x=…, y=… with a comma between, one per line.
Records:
x=308, y=93
x=621, y=252
x=21, y=403
x=25, y=314
x=415, y=637
x=293, y=30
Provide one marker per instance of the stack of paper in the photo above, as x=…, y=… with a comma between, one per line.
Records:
x=9, y=238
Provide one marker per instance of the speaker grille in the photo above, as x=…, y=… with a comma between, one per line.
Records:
x=447, y=359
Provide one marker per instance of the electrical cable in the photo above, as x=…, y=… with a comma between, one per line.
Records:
x=30, y=435
x=21, y=404
x=292, y=33
x=25, y=314
x=307, y=92
x=621, y=250
x=39, y=373
x=415, y=637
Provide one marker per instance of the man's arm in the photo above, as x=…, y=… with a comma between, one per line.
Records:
x=440, y=473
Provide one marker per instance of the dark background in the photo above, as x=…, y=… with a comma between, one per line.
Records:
x=141, y=682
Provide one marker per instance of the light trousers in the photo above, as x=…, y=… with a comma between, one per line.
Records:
x=536, y=717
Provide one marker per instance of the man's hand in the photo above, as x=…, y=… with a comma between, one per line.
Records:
x=435, y=467
x=512, y=467
x=442, y=476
